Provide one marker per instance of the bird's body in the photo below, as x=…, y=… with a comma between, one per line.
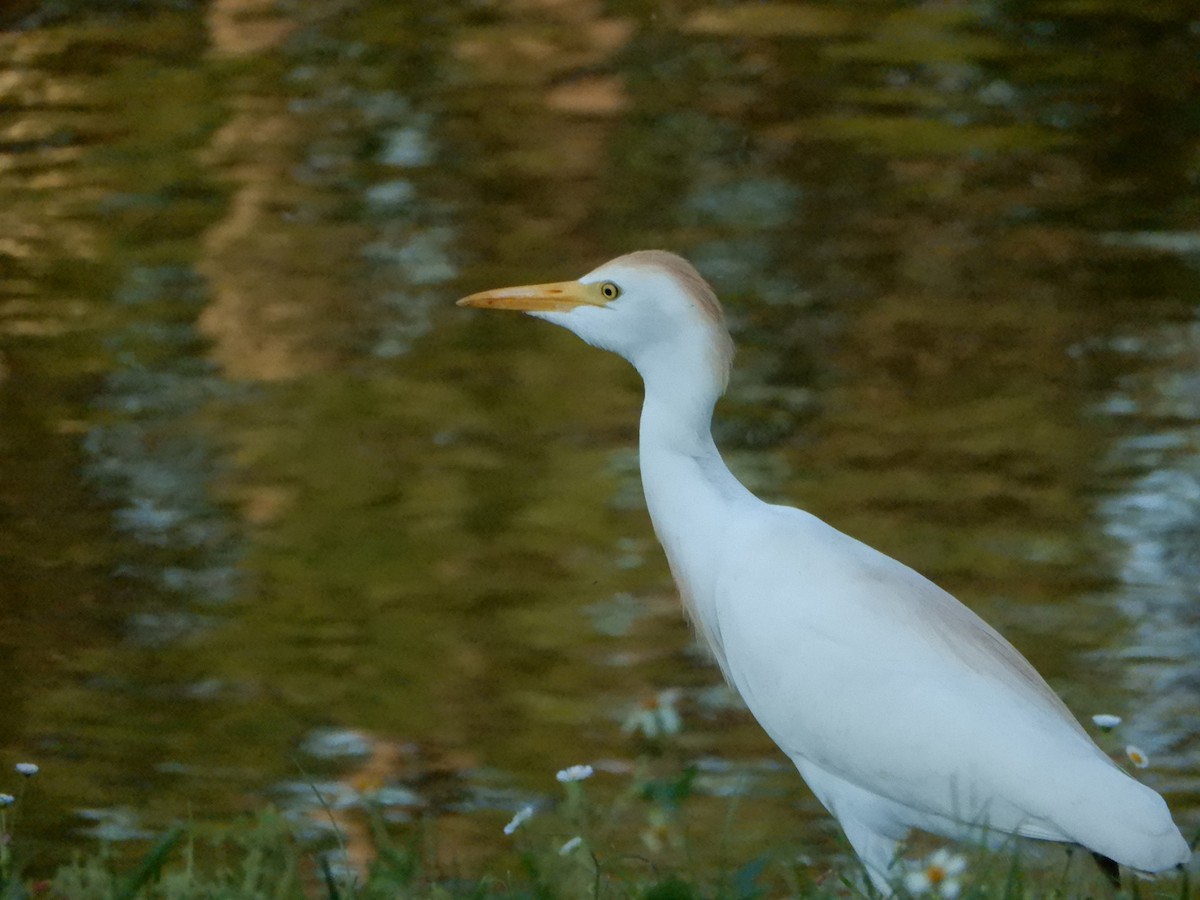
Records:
x=899, y=706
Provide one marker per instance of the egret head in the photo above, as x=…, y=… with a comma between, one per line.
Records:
x=650, y=307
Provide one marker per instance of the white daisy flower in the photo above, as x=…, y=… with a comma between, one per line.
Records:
x=656, y=716
x=26, y=769
x=7, y=800
x=660, y=832
x=1106, y=721
x=1137, y=756
x=523, y=815
x=570, y=846
x=575, y=773
x=938, y=875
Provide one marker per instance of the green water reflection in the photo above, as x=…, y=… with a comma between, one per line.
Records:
x=270, y=502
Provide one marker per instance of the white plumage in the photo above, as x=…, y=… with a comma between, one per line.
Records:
x=900, y=707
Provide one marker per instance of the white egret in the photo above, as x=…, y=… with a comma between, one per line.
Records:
x=900, y=707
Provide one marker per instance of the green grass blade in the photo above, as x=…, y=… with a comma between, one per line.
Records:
x=151, y=865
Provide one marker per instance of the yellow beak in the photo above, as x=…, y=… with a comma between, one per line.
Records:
x=559, y=296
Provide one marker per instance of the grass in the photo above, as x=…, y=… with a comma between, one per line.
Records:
x=260, y=860
x=633, y=846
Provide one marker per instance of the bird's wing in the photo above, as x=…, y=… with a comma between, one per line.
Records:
x=943, y=622
x=860, y=665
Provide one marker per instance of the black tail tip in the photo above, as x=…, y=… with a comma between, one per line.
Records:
x=1108, y=868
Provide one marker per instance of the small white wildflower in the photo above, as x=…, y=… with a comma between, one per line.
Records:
x=1137, y=756
x=26, y=769
x=7, y=800
x=661, y=832
x=570, y=846
x=937, y=875
x=575, y=773
x=668, y=716
x=1105, y=721
x=655, y=716
x=641, y=720
x=523, y=815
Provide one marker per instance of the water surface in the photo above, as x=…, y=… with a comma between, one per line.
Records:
x=273, y=510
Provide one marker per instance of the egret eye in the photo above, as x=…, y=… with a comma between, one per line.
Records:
x=610, y=291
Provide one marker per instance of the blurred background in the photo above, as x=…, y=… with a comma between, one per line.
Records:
x=275, y=513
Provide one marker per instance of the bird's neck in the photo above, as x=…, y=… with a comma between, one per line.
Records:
x=689, y=489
